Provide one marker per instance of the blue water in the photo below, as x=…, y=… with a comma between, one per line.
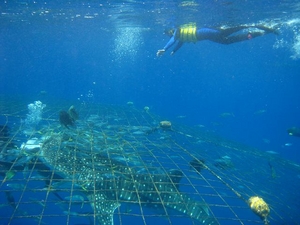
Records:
x=105, y=52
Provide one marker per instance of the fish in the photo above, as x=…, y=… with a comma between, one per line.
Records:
x=259, y=112
x=294, y=131
x=65, y=119
x=16, y=186
x=107, y=193
x=266, y=141
x=273, y=172
x=42, y=92
x=73, y=113
x=9, y=175
x=10, y=199
x=75, y=199
x=227, y=114
x=138, y=132
x=272, y=152
x=198, y=164
x=224, y=162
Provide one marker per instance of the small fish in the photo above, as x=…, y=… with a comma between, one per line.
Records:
x=224, y=163
x=272, y=152
x=294, y=131
x=227, y=114
x=226, y=157
x=10, y=199
x=138, y=132
x=70, y=213
x=259, y=112
x=288, y=144
x=16, y=186
x=9, y=174
x=64, y=185
x=58, y=196
x=74, y=198
x=43, y=92
x=273, y=172
x=37, y=201
x=3, y=205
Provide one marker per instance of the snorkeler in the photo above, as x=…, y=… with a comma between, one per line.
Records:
x=190, y=33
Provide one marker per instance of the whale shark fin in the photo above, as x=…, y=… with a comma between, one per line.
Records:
x=103, y=208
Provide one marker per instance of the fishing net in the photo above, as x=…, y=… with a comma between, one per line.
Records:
x=124, y=165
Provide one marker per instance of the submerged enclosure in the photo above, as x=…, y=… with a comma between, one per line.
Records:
x=124, y=165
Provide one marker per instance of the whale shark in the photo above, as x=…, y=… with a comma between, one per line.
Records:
x=108, y=181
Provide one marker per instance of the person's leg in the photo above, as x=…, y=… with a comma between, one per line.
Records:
x=267, y=29
x=233, y=39
x=227, y=36
x=231, y=30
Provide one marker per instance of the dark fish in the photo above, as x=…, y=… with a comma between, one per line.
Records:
x=10, y=199
x=65, y=119
x=224, y=163
x=273, y=172
x=5, y=140
x=58, y=196
x=294, y=131
x=198, y=164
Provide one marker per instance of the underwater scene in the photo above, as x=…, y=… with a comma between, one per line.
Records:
x=149, y=112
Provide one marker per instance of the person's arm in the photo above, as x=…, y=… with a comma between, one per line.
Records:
x=168, y=45
x=178, y=46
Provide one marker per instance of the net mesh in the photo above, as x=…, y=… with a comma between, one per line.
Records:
x=120, y=165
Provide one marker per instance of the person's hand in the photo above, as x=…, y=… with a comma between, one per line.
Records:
x=160, y=52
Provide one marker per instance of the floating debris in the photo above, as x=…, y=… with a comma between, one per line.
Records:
x=165, y=124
